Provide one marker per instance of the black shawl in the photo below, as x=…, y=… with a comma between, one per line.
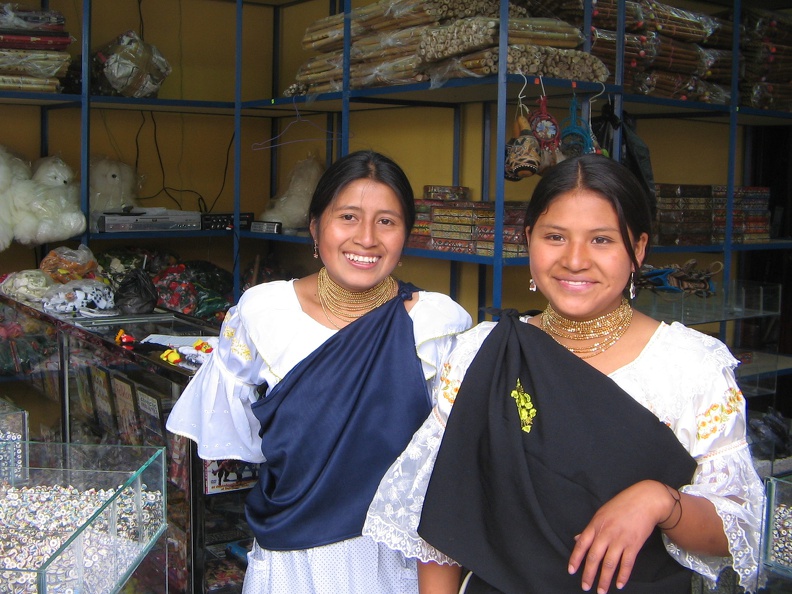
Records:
x=507, y=503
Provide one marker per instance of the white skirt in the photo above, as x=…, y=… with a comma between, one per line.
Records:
x=354, y=566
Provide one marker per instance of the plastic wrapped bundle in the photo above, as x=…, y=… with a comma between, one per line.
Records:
x=46, y=208
x=38, y=63
x=765, y=25
x=673, y=85
x=686, y=25
x=27, y=285
x=130, y=67
x=13, y=16
x=603, y=12
x=64, y=264
x=78, y=294
x=764, y=95
x=531, y=60
x=398, y=71
x=767, y=61
x=639, y=50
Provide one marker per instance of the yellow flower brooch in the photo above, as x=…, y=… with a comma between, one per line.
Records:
x=525, y=407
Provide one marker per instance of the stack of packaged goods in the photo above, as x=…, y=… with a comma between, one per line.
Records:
x=690, y=214
x=684, y=214
x=767, y=47
x=405, y=41
x=33, y=46
x=750, y=214
x=448, y=221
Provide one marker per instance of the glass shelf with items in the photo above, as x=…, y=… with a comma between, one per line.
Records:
x=748, y=314
x=741, y=300
x=78, y=517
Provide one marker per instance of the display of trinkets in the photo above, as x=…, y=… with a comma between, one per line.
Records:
x=80, y=518
x=777, y=538
x=14, y=429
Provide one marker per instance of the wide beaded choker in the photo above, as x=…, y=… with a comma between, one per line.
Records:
x=351, y=305
x=606, y=329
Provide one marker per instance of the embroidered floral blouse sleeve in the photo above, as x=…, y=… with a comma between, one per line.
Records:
x=395, y=511
x=214, y=409
x=726, y=476
x=703, y=405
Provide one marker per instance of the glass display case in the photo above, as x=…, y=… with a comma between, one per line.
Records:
x=777, y=534
x=13, y=428
x=76, y=517
x=13, y=422
x=81, y=384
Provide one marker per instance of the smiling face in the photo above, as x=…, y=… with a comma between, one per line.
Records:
x=361, y=234
x=577, y=255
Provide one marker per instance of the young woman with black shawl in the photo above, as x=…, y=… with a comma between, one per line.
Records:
x=589, y=447
x=346, y=359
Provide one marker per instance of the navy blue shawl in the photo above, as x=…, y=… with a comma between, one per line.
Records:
x=507, y=503
x=333, y=426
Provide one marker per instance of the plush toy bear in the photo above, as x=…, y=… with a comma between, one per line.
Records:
x=291, y=207
x=12, y=170
x=47, y=206
x=113, y=185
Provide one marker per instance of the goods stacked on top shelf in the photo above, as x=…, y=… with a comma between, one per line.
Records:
x=669, y=52
x=402, y=41
x=453, y=223
x=767, y=48
x=32, y=49
x=687, y=55
x=696, y=214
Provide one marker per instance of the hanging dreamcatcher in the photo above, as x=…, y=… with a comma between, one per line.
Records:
x=546, y=131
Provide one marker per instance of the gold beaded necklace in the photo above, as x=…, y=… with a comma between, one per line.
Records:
x=350, y=305
x=606, y=329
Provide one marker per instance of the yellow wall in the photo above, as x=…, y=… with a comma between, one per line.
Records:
x=197, y=38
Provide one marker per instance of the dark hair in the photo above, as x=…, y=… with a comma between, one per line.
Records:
x=608, y=178
x=363, y=165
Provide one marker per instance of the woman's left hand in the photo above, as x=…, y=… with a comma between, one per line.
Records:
x=616, y=533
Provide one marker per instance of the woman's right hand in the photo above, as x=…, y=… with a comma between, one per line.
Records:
x=614, y=536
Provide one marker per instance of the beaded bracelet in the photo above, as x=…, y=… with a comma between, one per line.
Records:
x=677, y=501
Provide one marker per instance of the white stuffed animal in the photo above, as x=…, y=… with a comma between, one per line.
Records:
x=113, y=185
x=47, y=206
x=291, y=207
x=12, y=170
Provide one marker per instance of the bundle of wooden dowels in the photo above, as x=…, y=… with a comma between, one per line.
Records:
x=429, y=51
x=388, y=15
x=534, y=60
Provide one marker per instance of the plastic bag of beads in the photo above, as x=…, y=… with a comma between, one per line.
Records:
x=78, y=294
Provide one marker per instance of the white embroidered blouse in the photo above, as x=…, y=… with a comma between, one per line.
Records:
x=263, y=337
x=684, y=377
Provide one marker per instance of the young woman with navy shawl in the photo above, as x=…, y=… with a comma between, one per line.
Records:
x=347, y=360
x=588, y=447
